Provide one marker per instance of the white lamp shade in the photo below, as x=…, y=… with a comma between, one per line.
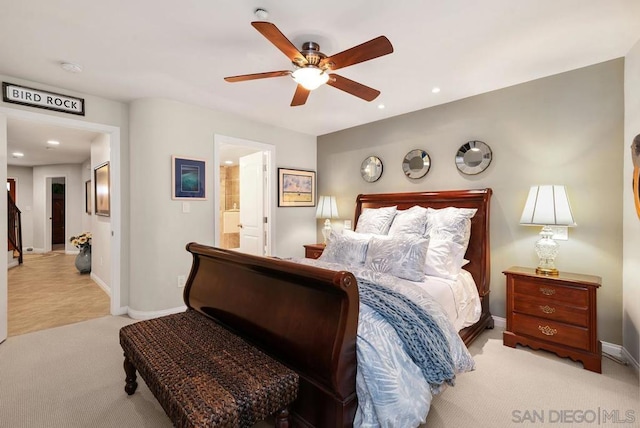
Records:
x=327, y=207
x=547, y=206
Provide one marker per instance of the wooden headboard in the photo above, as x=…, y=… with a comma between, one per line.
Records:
x=478, y=251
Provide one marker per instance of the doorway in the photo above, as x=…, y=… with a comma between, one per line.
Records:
x=243, y=179
x=113, y=234
x=58, y=196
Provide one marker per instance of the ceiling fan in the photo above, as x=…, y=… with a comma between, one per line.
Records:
x=312, y=68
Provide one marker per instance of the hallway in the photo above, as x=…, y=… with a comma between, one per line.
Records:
x=47, y=291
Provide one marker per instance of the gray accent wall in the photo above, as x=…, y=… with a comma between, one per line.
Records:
x=564, y=129
x=631, y=276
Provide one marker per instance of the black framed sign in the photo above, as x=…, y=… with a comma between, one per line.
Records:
x=25, y=96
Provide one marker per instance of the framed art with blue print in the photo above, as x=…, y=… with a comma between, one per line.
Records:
x=188, y=178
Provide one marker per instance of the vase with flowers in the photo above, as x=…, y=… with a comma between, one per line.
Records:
x=83, y=259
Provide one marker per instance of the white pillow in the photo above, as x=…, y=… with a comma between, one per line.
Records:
x=347, y=248
x=376, y=220
x=402, y=255
x=450, y=223
x=411, y=221
x=444, y=259
x=449, y=230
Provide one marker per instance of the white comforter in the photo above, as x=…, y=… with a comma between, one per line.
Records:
x=392, y=391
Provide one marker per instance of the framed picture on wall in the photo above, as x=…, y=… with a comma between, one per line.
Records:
x=101, y=190
x=87, y=197
x=296, y=188
x=188, y=178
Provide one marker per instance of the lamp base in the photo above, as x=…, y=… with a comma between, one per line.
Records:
x=547, y=271
x=326, y=230
x=547, y=250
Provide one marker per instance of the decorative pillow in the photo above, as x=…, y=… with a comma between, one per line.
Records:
x=402, y=255
x=450, y=223
x=411, y=221
x=444, y=258
x=449, y=230
x=376, y=220
x=347, y=248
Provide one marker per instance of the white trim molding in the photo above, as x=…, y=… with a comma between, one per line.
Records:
x=101, y=284
x=147, y=315
x=499, y=322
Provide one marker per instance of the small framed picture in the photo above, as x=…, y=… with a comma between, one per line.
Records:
x=102, y=190
x=296, y=188
x=87, y=197
x=188, y=178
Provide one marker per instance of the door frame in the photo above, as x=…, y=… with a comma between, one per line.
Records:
x=269, y=191
x=116, y=307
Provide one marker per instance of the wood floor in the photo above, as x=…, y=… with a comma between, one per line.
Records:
x=47, y=291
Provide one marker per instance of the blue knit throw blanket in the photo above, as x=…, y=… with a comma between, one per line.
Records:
x=421, y=336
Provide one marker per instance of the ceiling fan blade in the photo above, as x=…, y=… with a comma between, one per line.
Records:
x=300, y=97
x=255, y=76
x=369, y=50
x=352, y=87
x=280, y=41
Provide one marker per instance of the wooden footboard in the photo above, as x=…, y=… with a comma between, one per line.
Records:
x=305, y=317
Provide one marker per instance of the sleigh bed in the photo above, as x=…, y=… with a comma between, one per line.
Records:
x=307, y=317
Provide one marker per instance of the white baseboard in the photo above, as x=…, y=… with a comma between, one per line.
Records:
x=629, y=359
x=499, y=321
x=146, y=315
x=123, y=310
x=101, y=284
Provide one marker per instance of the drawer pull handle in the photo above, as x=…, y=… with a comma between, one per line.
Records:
x=546, y=330
x=547, y=291
x=547, y=309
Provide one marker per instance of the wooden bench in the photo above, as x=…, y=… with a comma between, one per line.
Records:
x=205, y=376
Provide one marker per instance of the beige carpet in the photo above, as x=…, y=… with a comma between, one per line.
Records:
x=72, y=376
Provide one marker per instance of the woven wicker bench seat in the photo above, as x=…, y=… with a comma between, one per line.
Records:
x=205, y=376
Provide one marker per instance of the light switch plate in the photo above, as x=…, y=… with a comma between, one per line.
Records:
x=347, y=224
x=186, y=207
x=560, y=233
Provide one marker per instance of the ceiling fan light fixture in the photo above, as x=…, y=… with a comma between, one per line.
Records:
x=310, y=77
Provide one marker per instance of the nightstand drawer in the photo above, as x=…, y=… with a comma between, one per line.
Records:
x=313, y=254
x=313, y=251
x=550, y=309
x=546, y=289
x=552, y=331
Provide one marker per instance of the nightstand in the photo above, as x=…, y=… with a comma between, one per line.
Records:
x=555, y=313
x=313, y=251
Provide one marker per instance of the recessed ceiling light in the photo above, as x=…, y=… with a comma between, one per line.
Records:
x=435, y=90
x=53, y=143
x=17, y=154
x=381, y=106
x=71, y=67
x=228, y=162
x=261, y=14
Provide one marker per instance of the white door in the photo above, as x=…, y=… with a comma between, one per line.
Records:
x=251, y=204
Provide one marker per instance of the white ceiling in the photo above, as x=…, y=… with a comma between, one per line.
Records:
x=183, y=50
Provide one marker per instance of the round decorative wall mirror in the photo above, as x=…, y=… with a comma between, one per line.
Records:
x=473, y=157
x=416, y=164
x=371, y=169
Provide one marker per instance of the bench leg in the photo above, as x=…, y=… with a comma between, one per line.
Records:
x=130, y=370
x=282, y=418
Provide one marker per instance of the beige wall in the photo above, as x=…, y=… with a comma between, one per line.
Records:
x=631, y=274
x=159, y=228
x=564, y=129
